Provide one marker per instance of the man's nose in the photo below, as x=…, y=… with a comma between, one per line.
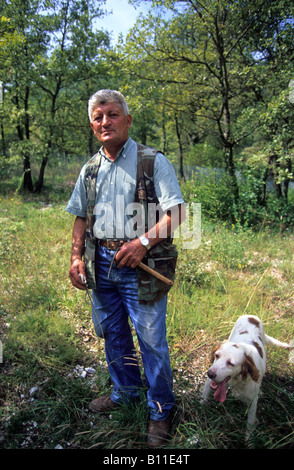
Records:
x=105, y=120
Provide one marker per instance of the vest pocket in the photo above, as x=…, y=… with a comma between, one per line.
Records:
x=163, y=259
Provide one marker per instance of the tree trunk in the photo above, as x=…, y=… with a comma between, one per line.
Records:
x=40, y=183
x=228, y=144
x=2, y=115
x=181, y=158
x=287, y=181
x=278, y=186
x=3, y=140
x=229, y=161
x=164, y=132
x=264, y=182
x=27, y=183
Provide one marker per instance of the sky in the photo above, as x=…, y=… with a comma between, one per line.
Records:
x=123, y=17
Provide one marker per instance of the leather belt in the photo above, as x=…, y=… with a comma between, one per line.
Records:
x=112, y=245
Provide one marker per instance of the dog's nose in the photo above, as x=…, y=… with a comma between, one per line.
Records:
x=211, y=374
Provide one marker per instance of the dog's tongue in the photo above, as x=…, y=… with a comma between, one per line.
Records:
x=220, y=394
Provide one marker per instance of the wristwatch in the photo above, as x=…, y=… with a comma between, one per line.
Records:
x=145, y=242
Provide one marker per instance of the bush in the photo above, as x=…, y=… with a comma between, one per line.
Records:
x=215, y=195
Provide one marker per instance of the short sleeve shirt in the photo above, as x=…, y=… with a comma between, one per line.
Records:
x=115, y=191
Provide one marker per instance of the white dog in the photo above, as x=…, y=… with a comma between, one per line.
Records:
x=240, y=363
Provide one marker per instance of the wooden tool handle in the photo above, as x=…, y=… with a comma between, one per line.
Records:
x=155, y=274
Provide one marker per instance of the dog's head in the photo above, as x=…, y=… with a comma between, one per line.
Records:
x=229, y=361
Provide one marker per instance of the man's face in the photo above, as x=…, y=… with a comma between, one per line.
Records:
x=110, y=125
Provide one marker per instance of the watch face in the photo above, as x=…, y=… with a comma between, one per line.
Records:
x=145, y=242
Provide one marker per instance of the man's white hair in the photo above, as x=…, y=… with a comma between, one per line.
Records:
x=105, y=97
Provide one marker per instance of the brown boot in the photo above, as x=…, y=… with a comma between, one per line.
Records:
x=157, y=433
x=101, y=404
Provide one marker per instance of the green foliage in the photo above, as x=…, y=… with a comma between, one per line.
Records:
x=205, y=155
x=47, y=80
x=222, y=67
x=213, y=192
x=201, y=79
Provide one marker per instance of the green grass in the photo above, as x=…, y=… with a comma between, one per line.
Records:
x=47, y=333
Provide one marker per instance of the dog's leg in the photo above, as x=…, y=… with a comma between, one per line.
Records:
x=251, y=418
x=206, y=391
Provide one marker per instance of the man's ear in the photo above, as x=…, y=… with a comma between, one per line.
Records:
x=129, y=120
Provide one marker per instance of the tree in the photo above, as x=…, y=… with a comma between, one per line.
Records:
x=210, y=52
x=274, y=157
x=59, y=52
x=71, y=62
x=19, y=72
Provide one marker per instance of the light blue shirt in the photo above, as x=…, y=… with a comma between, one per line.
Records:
x=115, y=191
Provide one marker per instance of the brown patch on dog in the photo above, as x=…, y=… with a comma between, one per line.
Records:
x=249, y=367
x=253, y=321
x=212, y=354
x=244, y=332
x=236, y=346
x=258, y=347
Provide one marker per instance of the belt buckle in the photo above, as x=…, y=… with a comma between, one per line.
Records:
x=113, y=245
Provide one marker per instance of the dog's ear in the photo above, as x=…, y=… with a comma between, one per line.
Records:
x=212, y=358
x=249, y=367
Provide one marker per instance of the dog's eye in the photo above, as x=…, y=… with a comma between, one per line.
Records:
x=229, y=363
x=216, y=356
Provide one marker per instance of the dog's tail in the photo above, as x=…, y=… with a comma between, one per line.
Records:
x=291, y=353
x=275, y=342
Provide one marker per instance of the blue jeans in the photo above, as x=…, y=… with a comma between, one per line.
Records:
x=115, y=301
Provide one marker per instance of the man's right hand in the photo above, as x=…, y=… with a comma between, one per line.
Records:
x=78, y=268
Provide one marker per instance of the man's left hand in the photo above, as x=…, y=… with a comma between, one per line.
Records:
x=130, y=254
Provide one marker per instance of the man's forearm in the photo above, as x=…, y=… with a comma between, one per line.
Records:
x=167, y=224
x=78, y=239
x=77, y=268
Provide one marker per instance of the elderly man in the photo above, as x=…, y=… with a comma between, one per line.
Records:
x=127, y=202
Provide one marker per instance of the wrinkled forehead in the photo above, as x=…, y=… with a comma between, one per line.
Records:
x=106, y=107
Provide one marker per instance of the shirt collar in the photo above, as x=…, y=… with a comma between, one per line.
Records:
x=123, y=151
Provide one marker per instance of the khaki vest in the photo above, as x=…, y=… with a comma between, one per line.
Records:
x=162, y=257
